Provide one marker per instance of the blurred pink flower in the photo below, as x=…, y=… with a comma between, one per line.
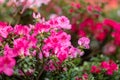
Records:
x=50, y=66
x=2, y=1
x=109, y=48
x=6, y=65
x=9, y=51
x=95, y=69
x=22, y=30
x=60, y=22
x=21, y=46
x=62, y=56
x=5, y=30
x=109, y=66
x=84, y=42
x=40, y=28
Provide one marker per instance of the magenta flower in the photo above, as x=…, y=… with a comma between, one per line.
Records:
x=6, y=65
x=81, y=33
x=95, y=69
x=21, y=30
x=109, y=66
x=62, y=56
x=84, y=42
x=32, y=41
x=5, y=30
x=9, y=51
x=40, y=27
x=105, y=65
x=64, y=22
x=60, y=22
x=110, y=23
x=21, y=46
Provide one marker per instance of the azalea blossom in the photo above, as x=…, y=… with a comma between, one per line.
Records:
x=6, y=65
x=84, y=42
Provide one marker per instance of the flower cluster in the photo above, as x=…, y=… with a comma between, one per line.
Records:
x=56, y=47
x=100, y=30
x=109, y=66
x=46, y=41
x=95, y=28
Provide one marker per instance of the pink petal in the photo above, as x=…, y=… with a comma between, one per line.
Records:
x=8, y=71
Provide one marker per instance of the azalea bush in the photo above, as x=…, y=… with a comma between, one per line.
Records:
x=58, y=40
x=95, y=69
x=29, y=50
x=90, y=19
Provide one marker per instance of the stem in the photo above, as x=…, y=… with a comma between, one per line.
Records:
x=40, y=74
x=42, y=64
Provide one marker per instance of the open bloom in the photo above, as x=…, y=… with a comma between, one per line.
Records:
x=9, y=51
x=84, y=42
x=40, y=27
x=21, y=30
x=21, y=46
x=5, y=29
x=6, y=65
x=62, y=56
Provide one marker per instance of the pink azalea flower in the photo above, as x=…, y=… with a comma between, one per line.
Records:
x=62, y=56
x=110, y=23
x=64, y=22
x=109, y=66
x=73, y=52
x=32, y=41
x=6, y=65
x=60, y=22
x=84, y=42
x=64, y=38
x=40, y=27
x=5, y=30
x=21, y=30
x=21, y=46
x=95, y=69
x=100, y=36
x=81, y=33
x=105, y=64
x=9, y=51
